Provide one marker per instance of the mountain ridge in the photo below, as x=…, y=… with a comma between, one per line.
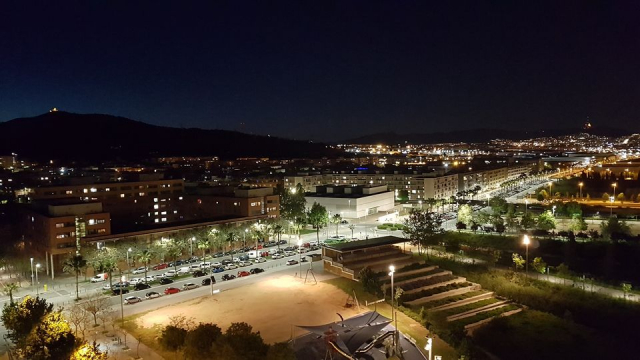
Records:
x=480, y=135
x=80, y=137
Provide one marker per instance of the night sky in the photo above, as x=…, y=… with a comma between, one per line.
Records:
x=326, y=70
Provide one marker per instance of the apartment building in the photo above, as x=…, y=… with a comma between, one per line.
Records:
x=130, y=204
x=241, y=202
x=55, y=228
x=440, y=187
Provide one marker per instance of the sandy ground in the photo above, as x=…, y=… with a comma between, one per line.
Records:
x=284, y=301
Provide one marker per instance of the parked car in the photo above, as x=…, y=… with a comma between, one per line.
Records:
x=230, y=266
x=169, y=274
x=289, y=253
x=184, y=270
x=189, y=286
x=140, y=270
x=243, y=257
x=132, y=300
x=226, y=262
x=256, y=270
x=171, y=290
x=302, y=250
x=134, y=281
x=260, y=260
x=216, y=264
x=120, y=290
x=217, y=270
x=207, y=281
x=244, y=263
x=205, y=265
x=282, y=242
x=226, y=277
x=291, y=262
x=100, y=278
x=165, y=281
x=198, y=273
x=121, y=285
x=152, y=295
x=160, y=266
x=106, y=287
x=243, y=273
x=277, y=256
x=289, y=248
x=150, y=278
x=176, y=263
x=141, y=286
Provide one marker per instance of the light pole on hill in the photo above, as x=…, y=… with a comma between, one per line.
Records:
x=580, y=185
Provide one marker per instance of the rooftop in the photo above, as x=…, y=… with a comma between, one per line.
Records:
x=362, y=244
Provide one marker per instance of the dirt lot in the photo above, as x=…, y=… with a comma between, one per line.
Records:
x=271, y=307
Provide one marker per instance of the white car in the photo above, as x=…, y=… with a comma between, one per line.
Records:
x=205, y=265
x=132, y=300
x=277, y=256
x=136, y=280
x=170, y=273
x=152, y=295
x=230, y=266
x=99, y=278
x=216, y=264
x=260, y=260
x=302, y=250
x=150, y=278
x=140, y=270
x=244, y=263
x=236, y=259
x=106, y=287
x=189, y=286
x=183, y=270
x=289, y=253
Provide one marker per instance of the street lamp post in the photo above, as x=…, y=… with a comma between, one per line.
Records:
x=526, y=243
x=580, y=185
x=526, y=204
x=611, y=207
x=392, y=270
x=191, y=244
x=614, y=191
x=37, y=282
x=128, y=263
x=550, y=193
x=300, y=257
x=429, y=346
x=31, y=271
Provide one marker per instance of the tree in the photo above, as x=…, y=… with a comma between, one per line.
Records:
x=528, y=221
x=626, y=289
x=518, y=261
x=563, y=271
x=352, y=227
x=495, y=257
x=369, y=281
x=78, y=318
x=606, y=197
x=465, y=214
x=104, y=260
x=318, y=217
x=280, y=351
x=198, y=343
x=460, y=226
x=246, y=343
x=546, y=221
x=621, y=197
x=543, y=195
x=511, y=221
x=572, y=209
x=20, y=318
x=292, y=203
x=94, y=305
x=336, y=219
x=172, y=337
x=614, y=229
x=174, y=250
x=539, y=265
x=422, y=227
x=50, y=339
x=9, y=289
x=203, y=244
x=145, y=256
x=75, y=264
x=578, y=224
x=89, y=351
x=498, y=204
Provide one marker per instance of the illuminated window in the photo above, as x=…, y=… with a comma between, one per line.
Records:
x=164, y=219
x=85, y=190
x=60, y=225
x=92, y=221
x=94, y=189
x=121, y=195
x=156, y=220
x=69, y=192
x=155, y=200
x=156, y=206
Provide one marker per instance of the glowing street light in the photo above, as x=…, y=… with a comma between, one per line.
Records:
x=614, y=190
x=392, y=270
x=580, y=185
x=429, y=346
x=37, y=282
x=526, y=204
x=526, y=242
x=128, y=264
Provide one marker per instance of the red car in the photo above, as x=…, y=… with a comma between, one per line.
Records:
x=264, y=254
x=171, y=290
x=243, y=273
x=160, y=266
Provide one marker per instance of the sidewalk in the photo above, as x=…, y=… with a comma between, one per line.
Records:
x=113, y=343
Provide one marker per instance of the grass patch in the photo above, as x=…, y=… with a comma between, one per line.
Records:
x=467, y=307
x=451, y=299
x=427, y=282
x=424, y=293
x=413, y=276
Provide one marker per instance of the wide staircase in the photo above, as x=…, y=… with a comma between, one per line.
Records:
x=378, y=260
x=449, y=297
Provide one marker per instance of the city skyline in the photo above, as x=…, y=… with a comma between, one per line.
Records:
x=304, y=70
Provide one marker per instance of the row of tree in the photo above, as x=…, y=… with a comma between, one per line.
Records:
x=38, y=332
